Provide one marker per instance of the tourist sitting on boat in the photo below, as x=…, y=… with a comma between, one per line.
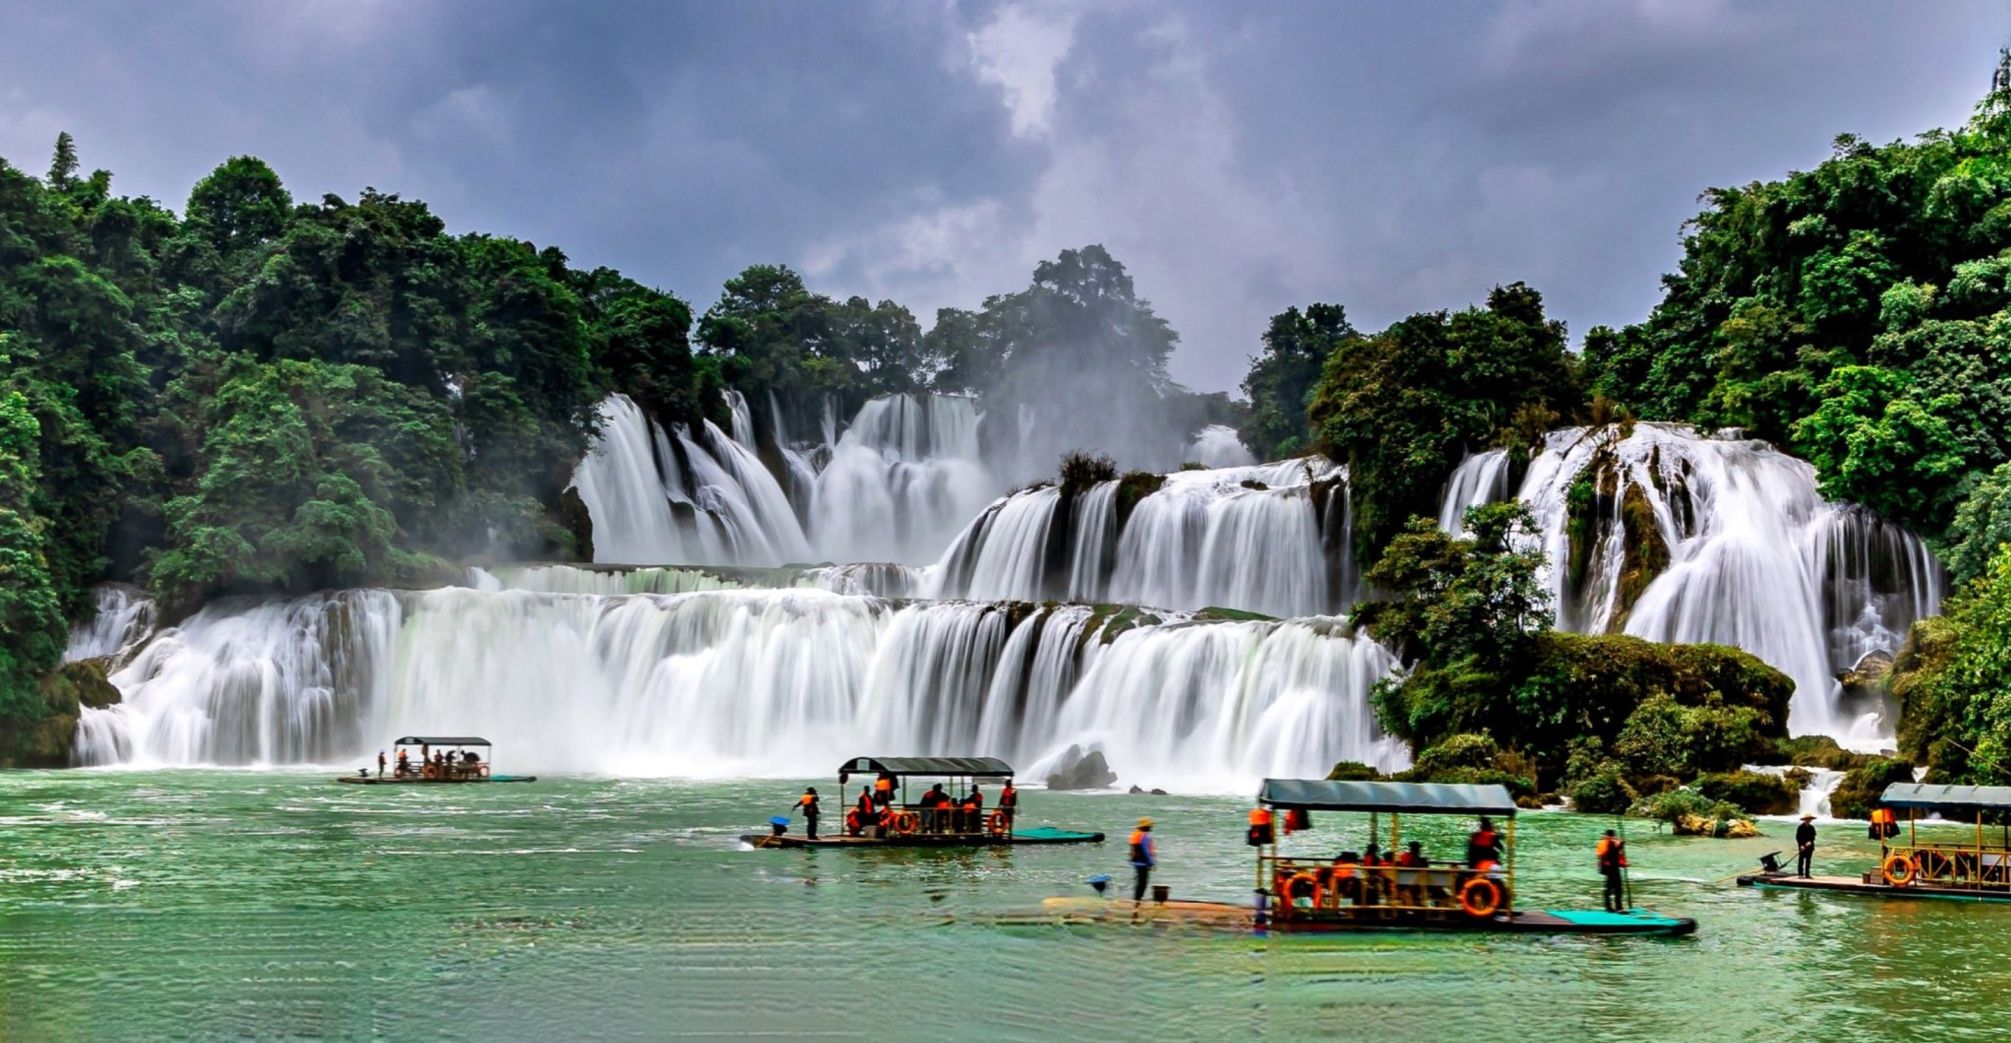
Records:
x=1483, y=846
x=933, y=814
x=1408, y=862
x=404, y=764
x=861, y=815
x=972, y=812
x=1344, y=878
x=1374, y=879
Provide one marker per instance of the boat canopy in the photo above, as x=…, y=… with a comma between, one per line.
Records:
x=443, y=740
x=1917, y=795
x=976, y=767
x=1430, y=798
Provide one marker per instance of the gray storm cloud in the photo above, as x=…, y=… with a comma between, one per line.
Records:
x=1236, y=159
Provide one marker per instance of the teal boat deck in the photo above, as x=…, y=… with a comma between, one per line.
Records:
x=1221, y=915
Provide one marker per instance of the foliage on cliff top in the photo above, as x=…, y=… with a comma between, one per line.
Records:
x=1953, y=684
x=1400, y=408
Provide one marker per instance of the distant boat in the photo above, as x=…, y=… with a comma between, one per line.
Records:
x=1969, y=872
x=441, y=760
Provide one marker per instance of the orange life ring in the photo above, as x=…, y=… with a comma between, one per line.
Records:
x=906, y=822
x=996, y=824
x=1480, y=897
x=1898, y=870
x=1288, y=887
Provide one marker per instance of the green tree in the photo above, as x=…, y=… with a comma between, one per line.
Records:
x=1473, y=599
x=1874, y=442
x=1401, y=407
x=1281, y=379
x=241, y=204
x=63, y=165
x=31, y=615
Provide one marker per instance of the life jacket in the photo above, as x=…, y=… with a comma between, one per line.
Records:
x=1141, y=848
x=972, y=804
x=1612, y=854
x=808, y=803
x=1344, y=870
x=1884, y=824
x=865, y=804
x=883, y=787
x=1297, y=819
x=1009, y=798
x=1487, y=865
x=1408, y=859
x=1260, y=831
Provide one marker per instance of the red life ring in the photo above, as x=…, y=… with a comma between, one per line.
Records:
x=1480, y=897
x=906, y=822
x=996, y=824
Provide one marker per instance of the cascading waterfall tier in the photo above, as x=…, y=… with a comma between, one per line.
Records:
x=1269, y=538
x=740, y=682
x=122, y=621
x=1656, y=531
x=896, y=485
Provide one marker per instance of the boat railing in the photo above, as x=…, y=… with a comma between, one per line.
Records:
x=1317, y=887
x=1960, y=865
x=916, y=820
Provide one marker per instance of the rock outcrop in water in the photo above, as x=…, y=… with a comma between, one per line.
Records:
x=1075, y=769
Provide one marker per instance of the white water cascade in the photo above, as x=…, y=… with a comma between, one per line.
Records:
x=124, y=619
x=1754, y=557
x=1249, y=538
x=896, y=485
x=770, y=682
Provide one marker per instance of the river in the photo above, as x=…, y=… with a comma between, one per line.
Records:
x=272, y=904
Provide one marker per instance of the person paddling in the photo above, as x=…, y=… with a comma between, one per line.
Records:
x=1804, y=846
x=808, y=802
x=1612, y=855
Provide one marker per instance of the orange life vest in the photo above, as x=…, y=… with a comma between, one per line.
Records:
x=1260, y=816
x=1008, y=797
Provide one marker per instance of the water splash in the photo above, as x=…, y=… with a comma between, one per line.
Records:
x=1218, y=445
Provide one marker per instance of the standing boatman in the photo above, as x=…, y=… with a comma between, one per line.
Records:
x=1804, y=846
x=809, y=805
x=1143, y=857
x=1612, y=852
x=380, y=764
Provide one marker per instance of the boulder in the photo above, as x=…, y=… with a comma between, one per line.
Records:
x=1079, y=770
x=1707, y=826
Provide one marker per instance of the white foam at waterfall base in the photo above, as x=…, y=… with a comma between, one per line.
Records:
x=762, y=682
x=1218, y=445
x=1758, y=560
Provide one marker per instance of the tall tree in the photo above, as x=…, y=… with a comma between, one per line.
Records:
x=1281, y=379
x=63, y=165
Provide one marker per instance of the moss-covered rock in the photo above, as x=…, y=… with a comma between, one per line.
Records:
x=1352, y=771
x=1751, y=791
x=1818, y=751
x=44, y=738
x=1859, y=791
x=1690, y=813
x=1133, y=487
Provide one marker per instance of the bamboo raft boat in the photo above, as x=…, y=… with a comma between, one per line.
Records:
x=1977, y=871
x=461, y=764
x=1350, y=893
x=904, y=823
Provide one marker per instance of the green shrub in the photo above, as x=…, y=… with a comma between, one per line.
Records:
x=1352, y=771
x=1674, y=806
x=1603, y=792
x=1859, y=791
x=1755, y=793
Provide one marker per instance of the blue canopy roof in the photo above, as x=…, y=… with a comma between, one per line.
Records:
x=1432, y=798
x=1918, y=795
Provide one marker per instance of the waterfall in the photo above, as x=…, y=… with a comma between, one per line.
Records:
x=1479, y=479
x=896, y=485
x=901, y=481
x=123, y=619
x=721, y=682
x=1218, y=445
x=1667, y=535
x=1247, y=538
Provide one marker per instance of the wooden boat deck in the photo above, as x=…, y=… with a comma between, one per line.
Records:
x=411, y=780
x=1224, y=916
x=1858, y=885
x=1041, y=835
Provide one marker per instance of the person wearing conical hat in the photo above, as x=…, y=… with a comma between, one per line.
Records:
x=1143, y=857
x=1804, y=846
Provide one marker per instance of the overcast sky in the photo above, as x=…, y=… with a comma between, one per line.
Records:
x=1236, y=157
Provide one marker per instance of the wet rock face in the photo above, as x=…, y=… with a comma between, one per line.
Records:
x=1079, y=770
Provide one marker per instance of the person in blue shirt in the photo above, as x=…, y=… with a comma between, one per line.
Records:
x=1143, y=857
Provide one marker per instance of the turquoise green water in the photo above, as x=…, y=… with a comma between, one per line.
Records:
x=249, y=905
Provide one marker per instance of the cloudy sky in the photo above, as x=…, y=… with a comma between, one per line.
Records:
x=1236, y=157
